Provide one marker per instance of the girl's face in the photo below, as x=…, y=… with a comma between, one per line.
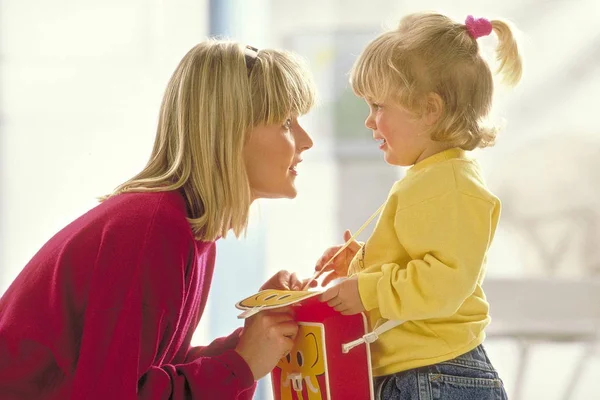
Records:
x=271, y=156
x=401, y=135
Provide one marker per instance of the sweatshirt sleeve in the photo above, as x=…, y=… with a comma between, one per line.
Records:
x=447, y=238
x=135, y=306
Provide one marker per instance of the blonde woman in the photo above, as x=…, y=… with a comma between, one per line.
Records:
x=429, y=91
x=107, y=308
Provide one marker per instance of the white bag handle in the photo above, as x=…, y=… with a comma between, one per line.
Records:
x=386, y=326
x=372, y=336
x=318, y=273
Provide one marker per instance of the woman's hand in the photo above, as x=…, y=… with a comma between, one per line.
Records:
x=339, y=265
x=283, y=280
x=266, y=338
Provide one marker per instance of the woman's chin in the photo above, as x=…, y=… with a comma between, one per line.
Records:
x=284, y=193
x=289, y=193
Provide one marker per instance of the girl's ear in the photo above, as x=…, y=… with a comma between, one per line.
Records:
x=433, y=108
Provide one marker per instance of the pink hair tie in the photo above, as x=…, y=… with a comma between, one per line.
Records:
x=478, y=27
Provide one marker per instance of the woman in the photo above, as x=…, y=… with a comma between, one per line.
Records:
x=107, y=308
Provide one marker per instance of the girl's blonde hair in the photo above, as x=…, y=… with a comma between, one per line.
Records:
x=430, y=53
x=210, y=105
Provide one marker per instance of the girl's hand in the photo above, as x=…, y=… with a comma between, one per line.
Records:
x=344, y=297
x=339, y=265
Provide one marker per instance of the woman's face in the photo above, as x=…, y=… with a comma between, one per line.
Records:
x=271, y=156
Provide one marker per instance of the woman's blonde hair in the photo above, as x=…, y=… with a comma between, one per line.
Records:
x=210, y=105
x=430, y=53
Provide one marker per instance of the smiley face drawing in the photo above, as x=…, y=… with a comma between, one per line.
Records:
x=271, y=298
x=302, y=371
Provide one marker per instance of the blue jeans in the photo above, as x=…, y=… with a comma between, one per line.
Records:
x=470, y=376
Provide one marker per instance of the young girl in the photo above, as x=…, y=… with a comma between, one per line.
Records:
x=107, y=308
x=428, y=90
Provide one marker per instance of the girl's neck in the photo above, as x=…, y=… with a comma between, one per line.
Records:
x=432, y=149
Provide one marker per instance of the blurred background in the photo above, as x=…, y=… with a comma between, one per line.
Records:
x=80, y=88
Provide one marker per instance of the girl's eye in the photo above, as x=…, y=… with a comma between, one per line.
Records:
x=376, y=106
x=287, y=124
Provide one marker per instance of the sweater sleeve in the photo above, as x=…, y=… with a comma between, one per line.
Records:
x=447, y=238
x=134, y=312
x=118, y=360
x=216, y=347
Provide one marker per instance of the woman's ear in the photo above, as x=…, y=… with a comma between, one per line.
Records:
x=433, y=109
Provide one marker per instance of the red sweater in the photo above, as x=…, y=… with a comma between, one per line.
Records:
x=107, y=308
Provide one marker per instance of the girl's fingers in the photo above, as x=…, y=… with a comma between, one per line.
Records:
x=330, y=277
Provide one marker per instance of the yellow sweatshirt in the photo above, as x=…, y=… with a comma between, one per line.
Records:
x=425, y=263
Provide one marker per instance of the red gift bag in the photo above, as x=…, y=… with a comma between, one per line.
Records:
x=327, y=361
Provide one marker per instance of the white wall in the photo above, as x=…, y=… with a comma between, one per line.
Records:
x=81, y=87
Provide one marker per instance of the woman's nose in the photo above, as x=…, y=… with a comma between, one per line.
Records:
x=303, y=139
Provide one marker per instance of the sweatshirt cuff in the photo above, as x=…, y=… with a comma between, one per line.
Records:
x=238, y=367
x=367, y=288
